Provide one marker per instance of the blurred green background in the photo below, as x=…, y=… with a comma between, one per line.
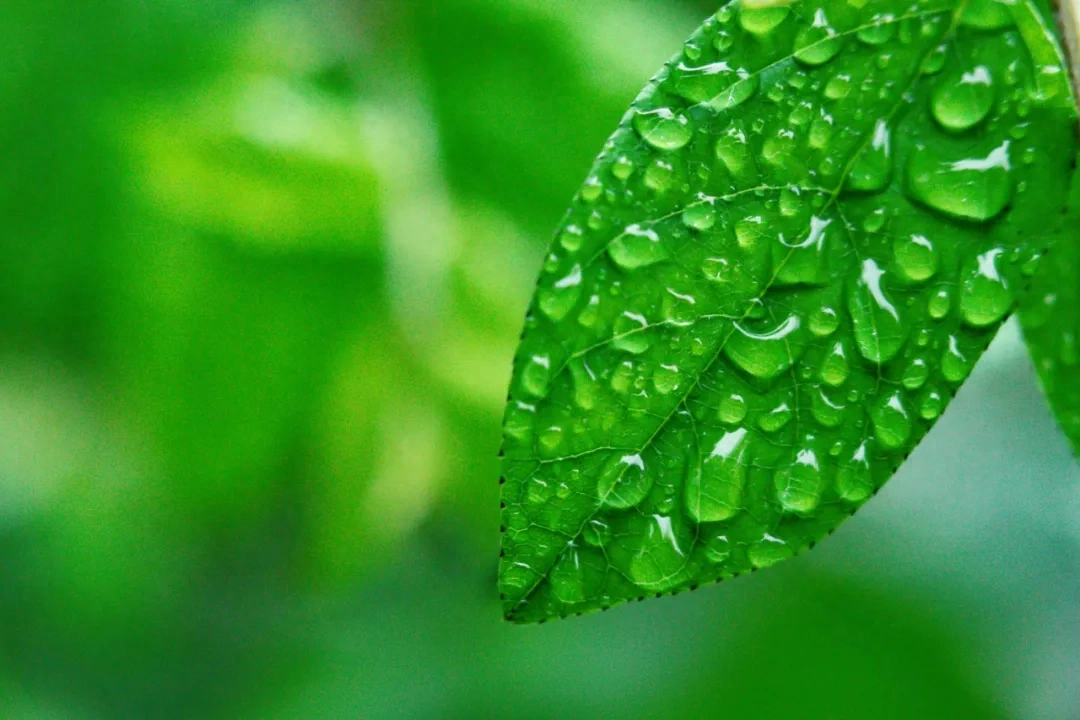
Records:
x=262, y=271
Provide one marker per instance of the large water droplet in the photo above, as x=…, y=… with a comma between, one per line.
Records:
x=667, y=379
x=854, y=482
x=637, y=247
x=718, y=84
x=834, y=369
x=586, y=390
x=660, y=562
x=714, y=486
x=803, y=260
x=762, y=21
x=631, y=333
x=954, y=364
x=872, y=170
x=818, y=43
x=799, y=486
x=700, y=215
x=560, y=298
x=664, y=129
x=892, y=425
x=880, y=32
x=987, y=14
x=879, y=330
x=623, y=482
x=765, y=355
x=770, y=551
x=973, y=189
x=962, y=102
x=916, y=257
x=536, y=375
x=986, y=297
x=732, y=409
x=824, y=321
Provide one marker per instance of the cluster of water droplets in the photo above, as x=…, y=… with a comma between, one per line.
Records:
x=775, y=278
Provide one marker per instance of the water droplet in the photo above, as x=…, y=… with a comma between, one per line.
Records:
x=880, y=32
x=818, y=43
x=828, y=412
x=660, y=562
x=630, y=333
x=875, y=221
x=732, y=409
x=915, y=374
x=560, y=298
x=770, y=551
x=536, y=375
x=723, y=41
x=872, y=170
x=623, y=482
x=916, y=257
x=585, y=387
x=637, y=247
x=776, y=419
x=892, y=426
x=765, y=355
x=940, y=304
x=954, y=365
x=596, y=533
x=762, y=21
x=571, y=238
x=663, y=129
x=803, y=262
x=931, y=405
x=834, y=369
x=974, y=189
x=666, y=379
x=934, y=62
x=551, y=442
x=714, y=486
x=986, y=297
x=520, y=419
x=962, y=102
x=717, y=84
x=623, y=168
x=799, y=486
x=854, y=481
x=539, y=491
x=987, y=14
x=732, y=150
x=879, y=331
x=718, y=548
x=576, y=577
x=592, y=189
x=658, y=176
x=589, y=317
x=700, y=215
x=824, y=321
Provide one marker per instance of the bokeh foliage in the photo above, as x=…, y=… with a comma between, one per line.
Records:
x=262, y=272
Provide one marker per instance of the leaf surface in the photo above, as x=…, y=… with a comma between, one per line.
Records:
x=1050, y=316
x=783, y=264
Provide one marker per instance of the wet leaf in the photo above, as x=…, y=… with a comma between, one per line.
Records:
x=779, y=271
x=1050, y=316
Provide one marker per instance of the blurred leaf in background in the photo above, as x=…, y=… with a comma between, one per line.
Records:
x=262, y=271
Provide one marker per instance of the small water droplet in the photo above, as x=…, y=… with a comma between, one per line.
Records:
x=827, y=411
x=940, y=304
x=664, y=129
x=854, y=482
x=987, y=14
x=803, y=262
x=824, y=321
x=934, y=62
x=659, y=176
x=592, y=190
x=631, y=333
x=660, y=562
x=571, y=238
x=776, y=419
x=770, y=551
x=666, y=379
x=718, y=548
x=931, y=405
x=799, y=486
x=623, y=168
x=915, y=374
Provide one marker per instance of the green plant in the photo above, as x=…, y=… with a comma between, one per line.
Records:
x=782, y=266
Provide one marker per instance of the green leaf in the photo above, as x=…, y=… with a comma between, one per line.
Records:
x=1050, y=315
x=780, y=269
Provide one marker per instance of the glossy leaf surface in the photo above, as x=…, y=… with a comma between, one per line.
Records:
x=783, y=264
x=1050, y=315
